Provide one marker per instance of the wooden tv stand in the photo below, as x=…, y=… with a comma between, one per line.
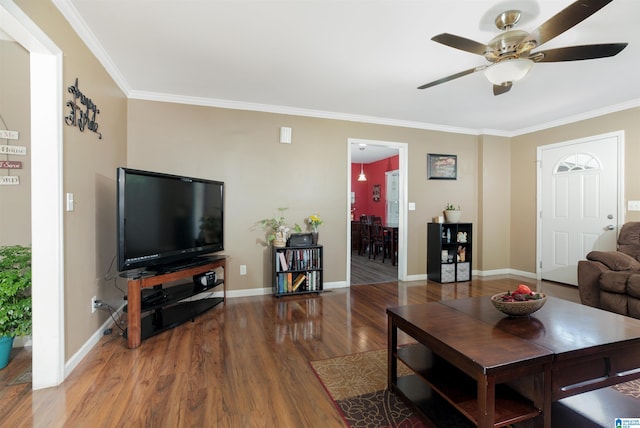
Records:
x=166, y=316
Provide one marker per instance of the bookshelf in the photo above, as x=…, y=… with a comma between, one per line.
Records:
x=449, y=252
x=296, y=270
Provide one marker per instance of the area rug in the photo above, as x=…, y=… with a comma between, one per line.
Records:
x=357, y=384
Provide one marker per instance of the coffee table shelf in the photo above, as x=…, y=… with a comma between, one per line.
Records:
x=433, y=374
x=470, y=365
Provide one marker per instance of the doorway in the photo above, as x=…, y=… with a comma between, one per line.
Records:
x=46, y=195
x=381, y=158
x=580, y=201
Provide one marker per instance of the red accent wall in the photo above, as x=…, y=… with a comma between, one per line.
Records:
x=364, y=190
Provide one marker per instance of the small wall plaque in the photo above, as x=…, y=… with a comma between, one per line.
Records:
x=9, y=180
x=13, y=150
x=5, y=134
x=376, y=193
x=11, y=164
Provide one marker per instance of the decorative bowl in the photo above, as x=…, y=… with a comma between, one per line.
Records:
x=518, y=308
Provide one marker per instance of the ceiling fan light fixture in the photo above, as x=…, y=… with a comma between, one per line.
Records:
x=508, y=70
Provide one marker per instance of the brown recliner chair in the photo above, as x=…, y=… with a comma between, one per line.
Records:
x=610, y=280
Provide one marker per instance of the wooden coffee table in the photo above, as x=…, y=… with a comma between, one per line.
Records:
x=498, y=370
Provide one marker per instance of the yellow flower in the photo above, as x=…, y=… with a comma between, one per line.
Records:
x=314, y=220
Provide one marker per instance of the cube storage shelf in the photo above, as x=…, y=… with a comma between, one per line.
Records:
x=449, y=252
x=296, y=270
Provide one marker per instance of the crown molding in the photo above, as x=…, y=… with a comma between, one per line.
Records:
x=295, y=111
x=70, y=13
x=578, y=117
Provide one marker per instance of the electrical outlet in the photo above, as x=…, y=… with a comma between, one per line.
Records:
x=93, y=304
x=243, y=269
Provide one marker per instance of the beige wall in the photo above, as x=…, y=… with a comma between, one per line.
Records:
x=523, y=177
x=242, y=149
x=494, y=202
x=89, y=173
x=15, y=215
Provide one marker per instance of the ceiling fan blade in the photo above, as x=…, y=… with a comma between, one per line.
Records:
x=453, y=76
x=565, y=19
x=501, y=89
x=461, y=43
x=578, y=53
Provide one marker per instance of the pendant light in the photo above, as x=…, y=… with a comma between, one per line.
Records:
x=362, y=177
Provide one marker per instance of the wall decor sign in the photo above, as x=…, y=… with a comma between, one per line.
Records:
x=442, y=167
x=9, y=180
x=376, y=193
x=10, y=165
x=13, y=150
x=5, y=134
x=82, y=111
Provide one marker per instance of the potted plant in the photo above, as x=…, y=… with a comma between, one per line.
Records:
x=277, y=229
x=15, y=297
x=452, y=214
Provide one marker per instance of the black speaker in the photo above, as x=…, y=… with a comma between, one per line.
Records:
x=204, y=280
x=299, y=240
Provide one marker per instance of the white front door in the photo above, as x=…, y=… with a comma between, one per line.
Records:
x=580, y=190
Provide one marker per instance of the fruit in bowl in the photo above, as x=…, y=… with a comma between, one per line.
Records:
x=519, y=303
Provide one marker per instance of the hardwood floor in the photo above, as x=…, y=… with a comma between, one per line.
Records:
x=365, y=270
x=244, y=364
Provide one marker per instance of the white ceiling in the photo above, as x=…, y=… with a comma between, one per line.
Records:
x=357, y=60
x=371, y=153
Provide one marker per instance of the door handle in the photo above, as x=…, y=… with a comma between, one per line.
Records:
x=610, y=227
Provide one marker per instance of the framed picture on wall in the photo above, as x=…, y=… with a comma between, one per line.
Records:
x=376, y=193
x=442, y=167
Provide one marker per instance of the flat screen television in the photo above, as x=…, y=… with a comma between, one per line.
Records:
x=165, y=221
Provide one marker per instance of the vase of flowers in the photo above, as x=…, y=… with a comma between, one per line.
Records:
x=314, y=222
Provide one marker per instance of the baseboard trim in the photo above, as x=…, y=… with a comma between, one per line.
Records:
x=76, y=358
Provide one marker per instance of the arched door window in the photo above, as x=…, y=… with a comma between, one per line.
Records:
x=578, y=162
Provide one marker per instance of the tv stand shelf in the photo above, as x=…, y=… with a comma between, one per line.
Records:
x=167, y=312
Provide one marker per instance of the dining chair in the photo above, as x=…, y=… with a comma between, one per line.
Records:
x=377, y=238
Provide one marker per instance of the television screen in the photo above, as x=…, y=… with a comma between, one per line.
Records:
x=165, y=219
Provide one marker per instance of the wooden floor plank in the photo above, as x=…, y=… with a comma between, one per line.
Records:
x=245, y=363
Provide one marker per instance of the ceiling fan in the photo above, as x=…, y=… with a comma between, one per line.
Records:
x=510, y=53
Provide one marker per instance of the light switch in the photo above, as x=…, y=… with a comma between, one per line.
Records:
x=412, y=206
x=69, y=201
x=633, y=205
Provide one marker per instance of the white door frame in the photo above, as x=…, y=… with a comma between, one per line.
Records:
x=619, y=135
x=46, y=195
x=403, y=157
